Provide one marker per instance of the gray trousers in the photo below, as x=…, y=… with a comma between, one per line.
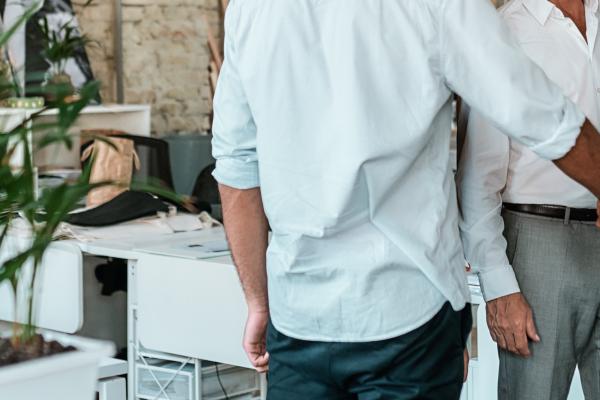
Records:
x=558, y=268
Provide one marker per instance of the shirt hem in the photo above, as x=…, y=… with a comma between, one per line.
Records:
x=375, y=338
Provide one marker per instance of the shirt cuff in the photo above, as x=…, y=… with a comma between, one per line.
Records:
x=565, y=137
x=237, y=173
x=498, y=282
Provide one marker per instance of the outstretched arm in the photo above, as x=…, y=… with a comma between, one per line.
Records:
x=484, y=64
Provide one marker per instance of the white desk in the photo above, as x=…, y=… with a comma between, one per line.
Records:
x=200, y=317
x=164, y=295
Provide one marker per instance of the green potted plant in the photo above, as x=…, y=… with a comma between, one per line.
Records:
x=37, y=365
x=59, y=46
x=31, y=364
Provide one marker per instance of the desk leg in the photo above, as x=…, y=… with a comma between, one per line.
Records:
x=132, y=343
x=263, y=386
x=198, y=376
x=112, y=389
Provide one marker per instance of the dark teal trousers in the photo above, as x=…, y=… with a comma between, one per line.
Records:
x=424, y=364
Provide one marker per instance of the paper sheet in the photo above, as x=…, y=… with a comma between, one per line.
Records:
x=144, y=226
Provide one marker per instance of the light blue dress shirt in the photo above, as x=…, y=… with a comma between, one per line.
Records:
x=340, y=111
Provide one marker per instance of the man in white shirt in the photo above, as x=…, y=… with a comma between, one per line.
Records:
x=541, y=280
x=332, y=126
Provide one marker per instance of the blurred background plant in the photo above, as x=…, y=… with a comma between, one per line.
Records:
x=7, y=82
x=59, y=46
x=19, y=198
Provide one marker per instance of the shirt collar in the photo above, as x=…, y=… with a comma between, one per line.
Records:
x=540, y=9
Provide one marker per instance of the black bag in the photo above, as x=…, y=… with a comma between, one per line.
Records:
x=125, y=207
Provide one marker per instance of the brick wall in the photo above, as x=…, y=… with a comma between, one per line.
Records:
x=165, y=57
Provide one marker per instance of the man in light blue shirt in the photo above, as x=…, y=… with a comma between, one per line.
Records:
x=332, y=126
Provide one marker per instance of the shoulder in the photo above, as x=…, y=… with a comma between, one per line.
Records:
x=239, y=13
x=243, y=7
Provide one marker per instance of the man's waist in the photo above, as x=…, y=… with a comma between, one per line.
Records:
x=309, y=318
x=544, y=183
x=555, y=211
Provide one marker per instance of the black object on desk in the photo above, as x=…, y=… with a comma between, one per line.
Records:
x=205, y=195
x=125, y=207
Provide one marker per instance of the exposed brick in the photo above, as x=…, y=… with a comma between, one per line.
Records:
x=165, y=57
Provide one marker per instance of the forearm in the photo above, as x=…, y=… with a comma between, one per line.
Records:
x=582, y=163
x=247, y=232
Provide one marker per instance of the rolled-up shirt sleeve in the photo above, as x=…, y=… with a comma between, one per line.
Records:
x=483, y=63
x=481, y=178
x=234, y=130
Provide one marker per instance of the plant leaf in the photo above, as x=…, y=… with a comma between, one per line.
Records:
x=6, y=35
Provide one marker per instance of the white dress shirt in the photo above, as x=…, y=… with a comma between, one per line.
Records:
x=340, y=111
x=495, y=169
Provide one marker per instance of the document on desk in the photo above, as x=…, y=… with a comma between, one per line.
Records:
x=156, y=225
x=192, y=249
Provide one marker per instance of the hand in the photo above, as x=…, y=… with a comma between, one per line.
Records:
x=510, y=320
x=466, y=361
x=255, y=340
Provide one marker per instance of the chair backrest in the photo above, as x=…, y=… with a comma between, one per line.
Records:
x=190, y=154
x=154, y=158
x=206, y=192
x=206, y=187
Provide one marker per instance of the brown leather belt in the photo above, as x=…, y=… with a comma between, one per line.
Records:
x=559, y=212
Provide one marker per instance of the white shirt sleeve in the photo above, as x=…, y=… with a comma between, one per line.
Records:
x=234, y=130
x=483, y=63
x=481, y=178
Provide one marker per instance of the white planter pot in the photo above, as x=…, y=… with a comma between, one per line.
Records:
x=67, y=376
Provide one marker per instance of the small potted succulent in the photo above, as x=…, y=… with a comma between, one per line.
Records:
x=60, y=46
